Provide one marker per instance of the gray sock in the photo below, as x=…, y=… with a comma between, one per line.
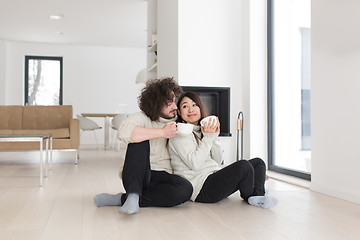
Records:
x=263, y=201
x=131, y=204
x=266, y=192
x=105, y=199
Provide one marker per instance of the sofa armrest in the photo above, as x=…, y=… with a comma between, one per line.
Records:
x=75, y=133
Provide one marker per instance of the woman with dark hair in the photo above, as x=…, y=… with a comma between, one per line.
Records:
x=198, y=157
x=147, y=173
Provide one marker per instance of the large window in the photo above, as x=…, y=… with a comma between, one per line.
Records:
x=43, y=80
x=289, y=87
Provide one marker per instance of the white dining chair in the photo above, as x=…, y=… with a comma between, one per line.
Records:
x=87, y=124
x=115, y=123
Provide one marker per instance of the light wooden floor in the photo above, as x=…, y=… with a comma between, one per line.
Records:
x=64, y=209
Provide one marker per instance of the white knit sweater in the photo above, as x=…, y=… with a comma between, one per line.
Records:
x=159, y=154
x=194, y=161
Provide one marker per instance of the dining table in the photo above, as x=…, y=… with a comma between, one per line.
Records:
x=106, y=117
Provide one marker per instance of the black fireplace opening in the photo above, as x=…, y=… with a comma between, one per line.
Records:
x=217, y=102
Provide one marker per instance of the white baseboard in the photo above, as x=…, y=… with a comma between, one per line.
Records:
x=355, y=198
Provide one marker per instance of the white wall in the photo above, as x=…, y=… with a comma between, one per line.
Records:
x=335, y=98
x=95, y=79
x=214, y=51
x=258, y=79
x=2, y=71
x=167, y=26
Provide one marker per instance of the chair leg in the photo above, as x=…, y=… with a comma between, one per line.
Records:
x=77, y=156
x=118, y=146
x=111, y=138
x=97, y=145
x=114, y=140
x=96, y=140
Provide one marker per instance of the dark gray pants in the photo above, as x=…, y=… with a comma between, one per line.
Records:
x=246, y=176
x=156, y=188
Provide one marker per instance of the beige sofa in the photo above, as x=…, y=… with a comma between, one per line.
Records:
x=56, y=120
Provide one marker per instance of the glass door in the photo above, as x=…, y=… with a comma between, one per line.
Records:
x=289, y=93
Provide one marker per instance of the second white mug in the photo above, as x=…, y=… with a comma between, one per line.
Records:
x=184, y=128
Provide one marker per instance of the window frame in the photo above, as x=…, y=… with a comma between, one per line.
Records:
x=26, y=75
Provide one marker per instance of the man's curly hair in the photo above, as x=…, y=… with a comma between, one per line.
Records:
x=156, y=94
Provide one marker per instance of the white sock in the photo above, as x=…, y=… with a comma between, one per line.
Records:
x=105, y=199
x=263, y=201
x=131, y=204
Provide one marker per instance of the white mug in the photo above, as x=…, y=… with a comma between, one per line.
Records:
x=207, y=119
x=184, y=128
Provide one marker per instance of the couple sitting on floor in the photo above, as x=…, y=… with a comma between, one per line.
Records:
x=195, y=171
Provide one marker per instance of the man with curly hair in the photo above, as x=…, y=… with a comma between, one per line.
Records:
x=147, y=172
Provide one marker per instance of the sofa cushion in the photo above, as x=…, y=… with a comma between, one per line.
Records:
x=55, y=133
x=61, y=133
x=16, y=146
x=6, y=132
x=46, y=117
x=11, y=117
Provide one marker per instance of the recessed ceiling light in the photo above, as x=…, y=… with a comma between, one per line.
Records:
x=56, y=17
x=59, y=33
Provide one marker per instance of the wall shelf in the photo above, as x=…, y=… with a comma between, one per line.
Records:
x=153, y=67
x=152, y=40
x=153, y=47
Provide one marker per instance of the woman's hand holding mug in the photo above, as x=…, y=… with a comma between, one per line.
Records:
x=210, y=124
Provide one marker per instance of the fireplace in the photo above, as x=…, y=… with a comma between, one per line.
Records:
x=217, y=102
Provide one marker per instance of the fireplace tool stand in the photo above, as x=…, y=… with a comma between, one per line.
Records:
x=240, y=125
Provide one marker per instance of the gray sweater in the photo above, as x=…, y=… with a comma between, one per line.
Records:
x=194, y=161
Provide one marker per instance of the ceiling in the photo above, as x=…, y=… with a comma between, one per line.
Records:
x=115, y=23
